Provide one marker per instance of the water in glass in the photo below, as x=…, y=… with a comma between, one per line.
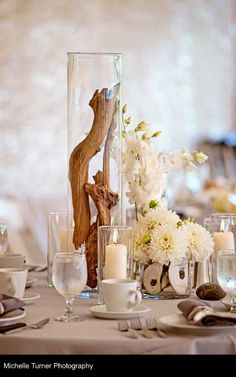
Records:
x=226, y=275
x=69, y=276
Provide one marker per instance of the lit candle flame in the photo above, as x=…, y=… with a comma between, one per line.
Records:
x=224, y=225
x=115, y=236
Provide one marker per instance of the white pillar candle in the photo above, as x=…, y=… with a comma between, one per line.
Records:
x=115, y=261
x=66, y=240
x=223, y=241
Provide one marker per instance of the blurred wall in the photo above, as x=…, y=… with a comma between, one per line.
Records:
x=179, y=75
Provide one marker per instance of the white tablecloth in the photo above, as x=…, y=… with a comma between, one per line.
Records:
x=101, y=336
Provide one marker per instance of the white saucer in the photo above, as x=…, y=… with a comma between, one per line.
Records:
x=30, y=297
x=101, y=312
x=30, y=282
x=12, y=316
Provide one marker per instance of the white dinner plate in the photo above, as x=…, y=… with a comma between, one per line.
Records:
x=179, y=323
x=101, y=312
x=30, y=282
x=30, y=297
x=12, y=316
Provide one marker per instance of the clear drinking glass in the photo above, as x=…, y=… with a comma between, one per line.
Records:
x=69, y=276
x=226, y=275
x=3, y=238
x=223, y=228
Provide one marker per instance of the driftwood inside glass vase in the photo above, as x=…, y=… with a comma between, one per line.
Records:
x=104, y=106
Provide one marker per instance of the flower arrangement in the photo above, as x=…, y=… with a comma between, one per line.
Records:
x=141, y=162
x=159, y=234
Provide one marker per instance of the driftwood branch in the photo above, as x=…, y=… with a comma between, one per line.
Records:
x=108, y=146
x=102, y=105
x=104, y=199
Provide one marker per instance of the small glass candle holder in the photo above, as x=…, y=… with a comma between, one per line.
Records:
x=223, y=228
x=3, y=238
x=60, y=237
x=115, y=254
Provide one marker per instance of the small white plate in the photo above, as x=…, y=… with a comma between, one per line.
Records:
x=12, y=316
x=101, y=312
x=30, y=282
x=180, y=323
x=30, y=297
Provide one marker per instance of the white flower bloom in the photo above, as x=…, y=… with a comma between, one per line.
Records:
x=169, y=244
x=157, y=238
x=200, y=157
x=200, y=242
x=157, y=234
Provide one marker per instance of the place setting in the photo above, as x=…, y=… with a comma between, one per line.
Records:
x=197, y=315
x=11, y=310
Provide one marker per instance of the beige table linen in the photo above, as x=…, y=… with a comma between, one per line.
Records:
x=101, y=336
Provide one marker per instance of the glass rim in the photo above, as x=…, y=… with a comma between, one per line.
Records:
x=59, y=213
x=113, y=227
x=222, y=215
x=94, y=53
x=69, y=253
x=226, y=252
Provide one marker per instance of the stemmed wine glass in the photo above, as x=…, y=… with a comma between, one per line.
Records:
x=69, y=276
x=226, y=275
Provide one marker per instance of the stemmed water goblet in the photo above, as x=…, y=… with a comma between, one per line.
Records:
x=226, y=275
x=69, y=276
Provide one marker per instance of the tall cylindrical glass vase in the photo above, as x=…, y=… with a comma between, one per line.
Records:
x=94, y=148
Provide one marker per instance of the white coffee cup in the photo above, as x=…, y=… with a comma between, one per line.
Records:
x=8, y=260
x=120, y=295
x=13, y=281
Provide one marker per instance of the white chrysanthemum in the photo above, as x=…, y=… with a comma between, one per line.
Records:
x=159, y=217
x=142, y=238
x=200, y=242
x=169, y=244
x=157, y=238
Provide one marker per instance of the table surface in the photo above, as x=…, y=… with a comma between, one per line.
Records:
x=101, y=336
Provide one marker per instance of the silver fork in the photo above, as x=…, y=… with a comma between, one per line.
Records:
x=124, y=326
x=152, y=324
x=139, y=324
x=35, y=325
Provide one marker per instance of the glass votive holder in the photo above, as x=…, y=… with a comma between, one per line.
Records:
x=223, y=228
x=115, y=254
x=60, y=237
x=205, y=268
x=3, y=238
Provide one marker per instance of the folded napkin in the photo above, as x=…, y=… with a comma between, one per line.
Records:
x=9, y=303
x=202, y=314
